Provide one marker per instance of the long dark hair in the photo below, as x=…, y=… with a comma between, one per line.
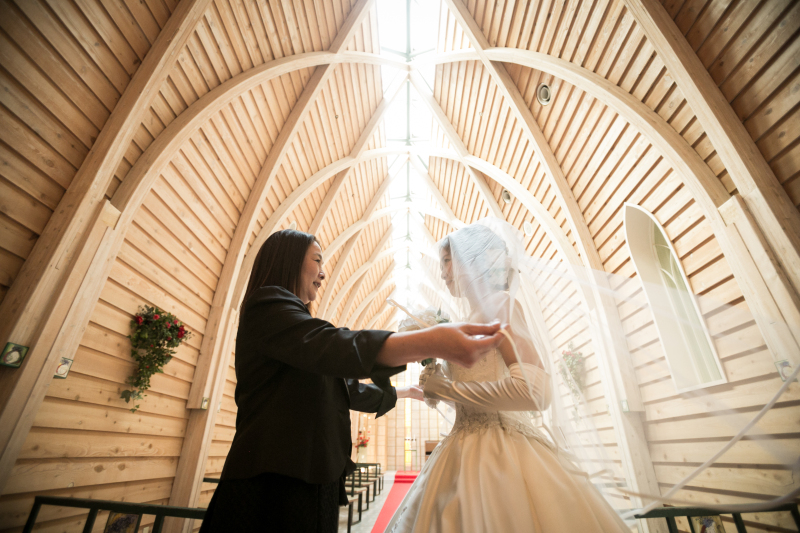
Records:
x=279, y=261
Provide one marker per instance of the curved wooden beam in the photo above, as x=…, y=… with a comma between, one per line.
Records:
x=437, y=194
x=377, y=315
x=347, y=233
x=706, y=188
x=385, y=281
x=162, y=150
x=455, y=141
x=364, y=222
x=37, y=304
x=351, y=242
x=360, y=323
x=286, y=207
x=766, y=199
x=387, y=236
x=353, y=293
x=357, y=275
x=361, y=270
x=358, y=148
x=388, y=320
x=342, y=261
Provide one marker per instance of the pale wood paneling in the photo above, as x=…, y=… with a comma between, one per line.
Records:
x=63, y=67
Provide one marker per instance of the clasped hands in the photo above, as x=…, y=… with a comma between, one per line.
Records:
x=461, y=344
x=464, y=344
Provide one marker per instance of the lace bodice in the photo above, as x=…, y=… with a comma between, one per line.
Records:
x=471, y=418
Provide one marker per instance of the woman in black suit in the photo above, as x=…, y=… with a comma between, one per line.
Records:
x=296, y=383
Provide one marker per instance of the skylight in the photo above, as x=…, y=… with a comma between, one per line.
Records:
x=408, y=123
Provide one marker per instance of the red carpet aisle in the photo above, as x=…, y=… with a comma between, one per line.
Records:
x=402, y=482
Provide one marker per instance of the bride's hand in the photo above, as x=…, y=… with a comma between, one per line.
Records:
x=414, y=392
x=427, y=371
x=465, y=344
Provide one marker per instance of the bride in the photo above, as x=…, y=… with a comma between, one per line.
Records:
x=497, y=471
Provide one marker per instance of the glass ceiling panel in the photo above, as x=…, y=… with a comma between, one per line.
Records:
x=408, y=122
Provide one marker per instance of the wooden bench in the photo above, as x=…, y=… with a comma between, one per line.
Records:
x=351, y=500
x=376, y=480
x=361, y=479
x=367, y=468
x=355, y=487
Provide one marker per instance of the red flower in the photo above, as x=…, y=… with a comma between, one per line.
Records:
x=176, y=321
x=169, y=339
x=180, y=334
x=139, y=320
x=156, y=317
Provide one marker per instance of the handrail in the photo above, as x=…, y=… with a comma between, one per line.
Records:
x=160, y=511
x=670, y=513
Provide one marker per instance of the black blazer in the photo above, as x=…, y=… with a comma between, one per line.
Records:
x=296, y=383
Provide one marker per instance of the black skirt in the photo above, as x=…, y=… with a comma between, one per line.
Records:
x=272, y=502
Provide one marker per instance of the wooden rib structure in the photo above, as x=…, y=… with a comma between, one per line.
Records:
x=148, y=149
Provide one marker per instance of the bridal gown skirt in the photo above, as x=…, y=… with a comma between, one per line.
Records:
x=499, y=480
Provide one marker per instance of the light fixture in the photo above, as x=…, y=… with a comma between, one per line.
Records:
x=527, y=227
x=506, y=196
x=293, y=225
x=544, y=94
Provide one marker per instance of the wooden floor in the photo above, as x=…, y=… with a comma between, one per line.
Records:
x=368, y=518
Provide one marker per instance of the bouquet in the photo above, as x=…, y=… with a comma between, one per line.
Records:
x=421, y=320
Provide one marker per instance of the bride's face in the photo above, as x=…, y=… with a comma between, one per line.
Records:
x=446, y=267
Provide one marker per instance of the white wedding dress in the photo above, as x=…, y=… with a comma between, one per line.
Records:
x=494, y=472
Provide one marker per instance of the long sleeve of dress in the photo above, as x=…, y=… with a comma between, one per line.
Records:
x=509, y=394
x=368, y=398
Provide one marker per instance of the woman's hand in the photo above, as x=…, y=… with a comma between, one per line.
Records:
x=462, y=344
x=414, y=392
x=465, y=344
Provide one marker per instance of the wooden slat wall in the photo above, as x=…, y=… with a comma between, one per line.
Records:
x=752, y=51
x=63, y=67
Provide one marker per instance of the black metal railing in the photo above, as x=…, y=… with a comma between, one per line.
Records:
x=671, y=513
x=94, y=506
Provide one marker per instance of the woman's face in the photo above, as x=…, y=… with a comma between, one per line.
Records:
x=446, y=266
x=311, y=274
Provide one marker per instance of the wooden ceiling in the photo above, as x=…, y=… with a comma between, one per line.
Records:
x=66, y=65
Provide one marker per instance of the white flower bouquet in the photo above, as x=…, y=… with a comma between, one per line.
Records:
x=420, y=320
